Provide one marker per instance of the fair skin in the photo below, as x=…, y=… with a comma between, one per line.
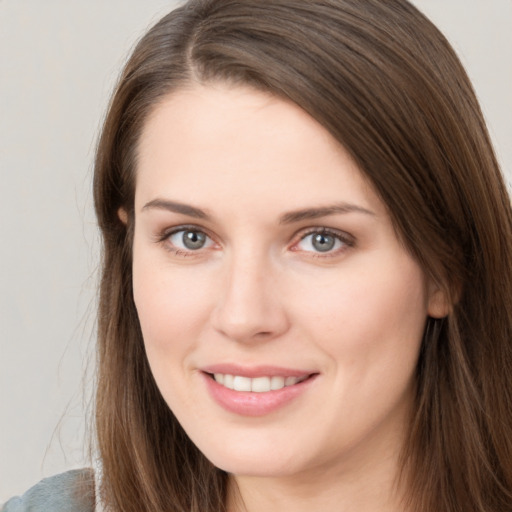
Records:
x=260, y=250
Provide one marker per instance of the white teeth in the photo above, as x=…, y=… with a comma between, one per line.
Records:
x=257, y=384
x=260, y=384
x=241, y=383
x=228, y=381
x=290, y=381
x=276, y=383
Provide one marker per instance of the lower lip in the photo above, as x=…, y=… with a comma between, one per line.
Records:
x=247, y=403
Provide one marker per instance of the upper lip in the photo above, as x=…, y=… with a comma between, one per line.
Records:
x=255, y=371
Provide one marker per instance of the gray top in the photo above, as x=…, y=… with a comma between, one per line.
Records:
x=72, y=491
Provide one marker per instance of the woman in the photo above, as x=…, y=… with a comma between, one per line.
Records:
x=307, y=252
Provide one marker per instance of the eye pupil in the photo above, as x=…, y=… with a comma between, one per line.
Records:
x=322, y=242
x=193, y=239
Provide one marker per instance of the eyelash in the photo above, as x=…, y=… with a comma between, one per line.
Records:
x=347, y=241
x=165, y=236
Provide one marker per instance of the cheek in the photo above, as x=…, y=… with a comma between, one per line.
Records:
x=172, y=308
x=370, y=325
x=371, y=316
x=172, y=312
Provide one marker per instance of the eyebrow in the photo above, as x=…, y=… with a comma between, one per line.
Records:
x=323, y=211
x=176, y=207
x=286, y=218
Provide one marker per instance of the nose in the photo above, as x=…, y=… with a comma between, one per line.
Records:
x=251, y=306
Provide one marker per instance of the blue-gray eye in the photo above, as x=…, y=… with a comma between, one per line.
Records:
x=190, y=239
x=323, y=242
x=320, y=242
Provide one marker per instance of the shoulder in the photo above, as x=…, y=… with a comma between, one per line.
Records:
x=70, y=491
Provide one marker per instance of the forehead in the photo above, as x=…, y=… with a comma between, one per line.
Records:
x=220, y=141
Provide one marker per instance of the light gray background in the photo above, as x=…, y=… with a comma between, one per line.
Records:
x=58, y=62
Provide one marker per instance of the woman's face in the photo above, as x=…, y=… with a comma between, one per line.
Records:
x=281, y=316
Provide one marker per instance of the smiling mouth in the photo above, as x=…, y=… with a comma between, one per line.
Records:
x=256, y=384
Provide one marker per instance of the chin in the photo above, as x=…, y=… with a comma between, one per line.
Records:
x=261, y=468
x=251, y=458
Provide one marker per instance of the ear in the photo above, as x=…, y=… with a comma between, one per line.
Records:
x=123, y=215
x=439, y=303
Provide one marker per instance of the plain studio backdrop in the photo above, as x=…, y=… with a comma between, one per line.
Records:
x=58, y=63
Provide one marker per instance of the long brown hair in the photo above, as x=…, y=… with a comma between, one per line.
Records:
x=388, y=86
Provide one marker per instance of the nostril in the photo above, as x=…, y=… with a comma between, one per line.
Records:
x=263, y=334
